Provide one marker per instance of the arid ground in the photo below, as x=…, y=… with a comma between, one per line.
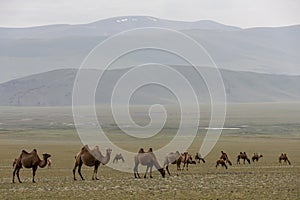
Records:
x=268, y=129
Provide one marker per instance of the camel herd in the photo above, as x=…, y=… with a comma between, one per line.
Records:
x=88, y=157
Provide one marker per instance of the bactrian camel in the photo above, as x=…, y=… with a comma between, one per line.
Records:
x=284, y=157
x=90, y=157
x=256, y=157
x=224, y=157
x=172, y=158
x=222, y=163
x=242, y=156
x=147, y=159
x=29, y=160
x=118, y=157
x=199, y=158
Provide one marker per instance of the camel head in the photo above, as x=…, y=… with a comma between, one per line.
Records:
x=108, y=151
x=162, y=172
x=46, y=156
x=261, y=156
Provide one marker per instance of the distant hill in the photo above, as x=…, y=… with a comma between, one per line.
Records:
x=25, y=51
x=54, y=88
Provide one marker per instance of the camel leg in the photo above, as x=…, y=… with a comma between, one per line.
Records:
x=14, y=173
x=146, y=171
x=151, y=171
x=225, y=166
x=18, y=175
x=167, y=168
x=79, y=170
x=74, y=170
x=96, y=170
x=135, y=170
x=34, y=168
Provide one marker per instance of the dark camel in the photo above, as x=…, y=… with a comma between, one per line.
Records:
x=284, y=157
x=224, y=157
x=199, y=158
x=256, y=157
x=242, y=156
x=90, y=158
x=29, y=160
x=222, y=163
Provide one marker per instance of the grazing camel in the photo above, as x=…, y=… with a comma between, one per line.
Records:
x=118, y=157
x=222, y=163
x=199, y=158
x=256, y=157
x=224, y=157
x=29, y=160
x=90, y=157
x=242, y=156
x=284, y=157
x=148, y=159
x=172, y=158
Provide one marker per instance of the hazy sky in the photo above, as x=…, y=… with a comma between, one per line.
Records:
x=243, y=13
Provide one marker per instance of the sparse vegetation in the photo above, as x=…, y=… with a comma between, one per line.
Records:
x=266, y=179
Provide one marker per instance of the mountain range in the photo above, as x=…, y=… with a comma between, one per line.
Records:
x=26, y=51
x=55, y=88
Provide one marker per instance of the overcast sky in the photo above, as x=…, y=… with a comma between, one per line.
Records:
x=243, y=13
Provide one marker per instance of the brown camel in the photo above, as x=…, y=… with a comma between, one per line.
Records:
x=29, y=160
x=118, y=157
x=186, y=159
x=224, y=157
x=148, y=159
x=172, y=158
x=199, y=158
x=222, y=163
x=256, y=157
x=284, y=157
x=90, y=157
x=242, y=156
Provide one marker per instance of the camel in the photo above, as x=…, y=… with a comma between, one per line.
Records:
x=186, y=159
x=199, y=158
x=118, y=157
x=29, y=160
x=172, y=158
x=148, y=159
x=224, y=157
x=90, y=158
x=256, y=157
x=284, y=157
x=222, y=163
x=242, y=156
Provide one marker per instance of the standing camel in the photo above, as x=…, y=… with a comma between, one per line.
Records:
x=172, y=158
x=256, y=157
x=284, y=157
x=118, y=157
x=199, y=158
x=224, y=157
x=186, y=159
x=90, y=158
x=242, y=156
x=148, y=159
x=29, y=160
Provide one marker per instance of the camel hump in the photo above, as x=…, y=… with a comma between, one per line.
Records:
x=24, y=151
x=150, y=150
x=141, y=150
